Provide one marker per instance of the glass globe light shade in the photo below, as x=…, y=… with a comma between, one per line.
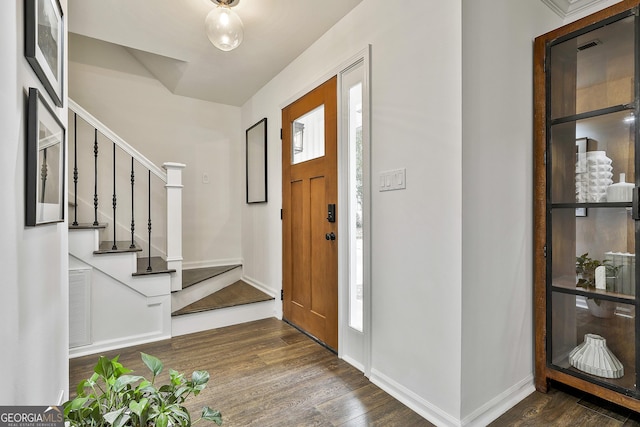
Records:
x=224, y=28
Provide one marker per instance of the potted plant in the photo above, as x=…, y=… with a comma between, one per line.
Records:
x=112, y=397
x=585, y=269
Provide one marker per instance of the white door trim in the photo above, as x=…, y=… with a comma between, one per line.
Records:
x=362, y=360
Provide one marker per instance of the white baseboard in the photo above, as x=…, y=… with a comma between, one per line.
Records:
x=264, y=288
x=359, y=366
x=100, y=347
x=500, y=404
x=482, y=416
x=275, y=293
x=186, y=265
x=220, y=318
x=425, y=409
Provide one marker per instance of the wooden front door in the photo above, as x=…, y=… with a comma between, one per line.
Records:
x=310, y=231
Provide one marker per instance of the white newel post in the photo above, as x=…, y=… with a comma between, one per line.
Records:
x=174, y=222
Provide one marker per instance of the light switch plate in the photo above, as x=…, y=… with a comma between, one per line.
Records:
x=395, y=179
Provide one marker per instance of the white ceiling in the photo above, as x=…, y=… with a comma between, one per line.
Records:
x=168, y=38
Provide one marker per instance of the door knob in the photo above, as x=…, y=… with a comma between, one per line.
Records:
x=330, y=236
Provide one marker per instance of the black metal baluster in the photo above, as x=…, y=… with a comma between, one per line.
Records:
x=133, y=223
x=149, y=265
x=75, y=169
x=95, y=178
x=43, y=174
x=115, y=246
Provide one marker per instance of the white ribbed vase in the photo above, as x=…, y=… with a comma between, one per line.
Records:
x=593, y=357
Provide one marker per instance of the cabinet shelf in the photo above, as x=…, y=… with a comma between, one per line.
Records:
x=591, y=205
x=568, y=286
x=614, y=329
x=591, y=114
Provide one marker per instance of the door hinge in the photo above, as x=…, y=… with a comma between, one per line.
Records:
x=281, y=215
x=545, y=157
x=280, y=134
x=544, y=251
x=281, y=294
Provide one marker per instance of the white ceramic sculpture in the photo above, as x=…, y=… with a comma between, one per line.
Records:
x=593, y=177
x=593, y=357
x=620, y=191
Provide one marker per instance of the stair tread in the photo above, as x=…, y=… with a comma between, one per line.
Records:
x=196, y=275
x=158, y=266
x=106, y=247
x=86, y=225
x=238, y=293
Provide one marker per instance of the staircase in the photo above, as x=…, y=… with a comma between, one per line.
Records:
x=127, y=285
x=126, y=305
x=216, y=297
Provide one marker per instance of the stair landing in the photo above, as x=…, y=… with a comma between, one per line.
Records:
x=239, y=293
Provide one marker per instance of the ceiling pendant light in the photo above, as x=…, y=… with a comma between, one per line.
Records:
x=223, y=25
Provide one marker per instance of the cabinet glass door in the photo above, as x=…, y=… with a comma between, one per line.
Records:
x=591, y=180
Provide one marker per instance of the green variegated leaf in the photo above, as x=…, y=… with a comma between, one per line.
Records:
x=122, y=420
x=176, y=377
x=103, y=367
x=139, y=407
x=179, y=392
x=125, y=380
x=92, y=381
x=78, y=403
x=153, y=363
x=211, y=415
x=162, y=420
x=200, y=377
x=80, y=389
x=166, y=389
x=118, y=369
x=145, y=385
x=180, y=415
x=111, y=417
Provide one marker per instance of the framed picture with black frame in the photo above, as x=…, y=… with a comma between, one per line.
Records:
x=43, y=48
x=257, y=162
x=45, y=163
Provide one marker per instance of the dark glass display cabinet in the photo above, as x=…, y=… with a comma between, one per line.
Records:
x=586, y=213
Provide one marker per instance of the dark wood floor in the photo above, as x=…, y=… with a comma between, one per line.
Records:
x=566, y=407
x=266, y=373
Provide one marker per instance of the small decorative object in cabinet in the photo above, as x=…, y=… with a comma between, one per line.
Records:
x=587, y=98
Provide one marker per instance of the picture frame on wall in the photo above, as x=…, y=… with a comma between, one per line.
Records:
x=45, y=163
x=44, y=41
x=257, y=162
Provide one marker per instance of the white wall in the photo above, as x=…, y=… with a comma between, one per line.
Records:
x=497, y=283
x=112, y=85
x=34, y=288
x=416, y=233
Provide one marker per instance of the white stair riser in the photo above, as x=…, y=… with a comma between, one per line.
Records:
x=119, y=266
x=220, y=318
x=206, y=287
